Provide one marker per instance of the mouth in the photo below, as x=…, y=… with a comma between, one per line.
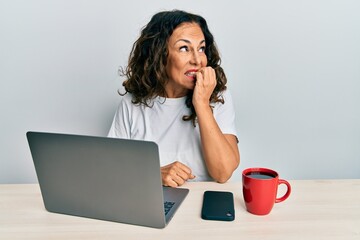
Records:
x=191, y=73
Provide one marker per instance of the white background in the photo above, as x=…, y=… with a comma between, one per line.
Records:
x=293, y=69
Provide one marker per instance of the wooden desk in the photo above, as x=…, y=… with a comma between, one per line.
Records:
x=316, y=209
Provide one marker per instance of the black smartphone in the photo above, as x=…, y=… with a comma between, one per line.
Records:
x=218, y=206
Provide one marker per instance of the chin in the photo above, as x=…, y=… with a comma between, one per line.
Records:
x=192, y=87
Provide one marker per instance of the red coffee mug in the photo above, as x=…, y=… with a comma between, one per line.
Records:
x=260, y=187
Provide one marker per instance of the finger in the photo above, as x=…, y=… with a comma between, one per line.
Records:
x=200, y=75
x=178, y=171
x=169, y=182
x=184, y=171
x=175, y=176
x=181, y=174
x=178, y=180
x=185, y=175
x=210, y=75
x=206, y=77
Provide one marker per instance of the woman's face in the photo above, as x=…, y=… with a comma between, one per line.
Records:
x=186, y=47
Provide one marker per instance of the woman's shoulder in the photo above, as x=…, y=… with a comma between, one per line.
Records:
x=127, y=101
x=126, y=98
x=227, y=105
x=226, y=97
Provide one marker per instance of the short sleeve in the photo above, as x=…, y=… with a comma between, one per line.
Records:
x=225, y=114
x=120, y=127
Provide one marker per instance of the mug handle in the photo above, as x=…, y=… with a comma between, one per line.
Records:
x=287, y=194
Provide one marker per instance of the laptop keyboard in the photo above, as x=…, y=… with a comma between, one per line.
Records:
x=168, y=206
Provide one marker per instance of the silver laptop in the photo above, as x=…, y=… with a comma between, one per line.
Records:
x=103, y=178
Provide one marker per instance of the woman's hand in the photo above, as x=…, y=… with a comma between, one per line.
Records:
x=204, y=87
x=175, y=174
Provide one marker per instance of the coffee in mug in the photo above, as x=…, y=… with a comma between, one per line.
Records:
x=260, y=187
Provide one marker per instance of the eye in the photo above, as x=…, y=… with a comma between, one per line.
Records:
x=202, y=49
x=183, y=49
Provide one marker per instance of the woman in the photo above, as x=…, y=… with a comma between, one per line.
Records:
x=175, y=95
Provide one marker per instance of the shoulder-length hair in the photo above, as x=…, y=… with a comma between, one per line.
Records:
x=146, y=75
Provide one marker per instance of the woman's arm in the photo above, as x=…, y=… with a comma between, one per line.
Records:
x=220, y=150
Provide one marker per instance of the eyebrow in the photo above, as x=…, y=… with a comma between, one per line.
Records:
x=188, y=41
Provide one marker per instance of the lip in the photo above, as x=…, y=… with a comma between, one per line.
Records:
x=191, y=70
x=192, y=73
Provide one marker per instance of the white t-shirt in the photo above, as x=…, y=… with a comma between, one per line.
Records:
x=178, y=140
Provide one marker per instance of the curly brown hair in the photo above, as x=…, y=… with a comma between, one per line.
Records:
x=146, y=71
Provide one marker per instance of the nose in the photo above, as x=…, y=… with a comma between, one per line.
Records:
x=195, y=58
